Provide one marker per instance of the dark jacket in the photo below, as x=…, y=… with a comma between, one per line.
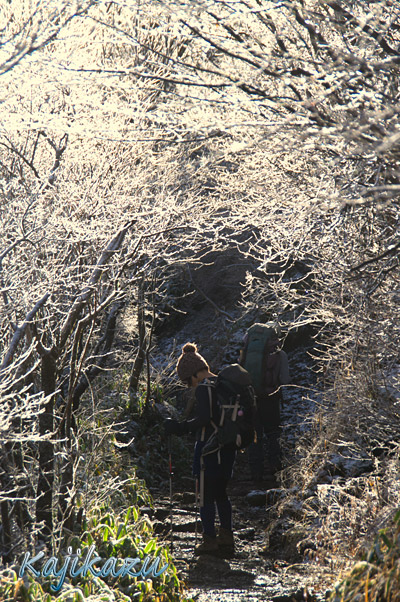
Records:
x=203, y=417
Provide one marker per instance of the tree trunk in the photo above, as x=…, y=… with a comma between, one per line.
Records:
x=141, y=354
x=66, y=510
x=22, y=514
x=44, y=504
x=6, y=526
x=4, y=506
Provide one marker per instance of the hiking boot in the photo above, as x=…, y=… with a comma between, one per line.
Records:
x=209, y=545
x=225, y=541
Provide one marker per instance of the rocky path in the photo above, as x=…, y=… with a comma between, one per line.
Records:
x=255, y=572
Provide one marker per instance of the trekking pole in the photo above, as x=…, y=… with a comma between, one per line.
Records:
x=196, y=502
x=170, y=487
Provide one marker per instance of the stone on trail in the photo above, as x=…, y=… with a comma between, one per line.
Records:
x=246, y=534
x=256, y=498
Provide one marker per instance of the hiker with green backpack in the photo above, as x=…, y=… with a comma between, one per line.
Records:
x=268, y=367
x=224, y=422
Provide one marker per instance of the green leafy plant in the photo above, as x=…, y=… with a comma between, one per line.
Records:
x=130, y=534
x=120, y=536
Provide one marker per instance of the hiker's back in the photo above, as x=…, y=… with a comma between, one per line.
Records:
x=268, y=368
x=266, y=364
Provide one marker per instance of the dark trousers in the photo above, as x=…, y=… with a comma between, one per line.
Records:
x=215, y=495
x=268, y=422
x=217, y=472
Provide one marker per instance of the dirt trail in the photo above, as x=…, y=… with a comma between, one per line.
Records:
x=255, y=572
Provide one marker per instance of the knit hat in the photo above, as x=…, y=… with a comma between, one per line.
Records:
x=190, y=362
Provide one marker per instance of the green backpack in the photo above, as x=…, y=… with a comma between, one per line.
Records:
x=261, y=359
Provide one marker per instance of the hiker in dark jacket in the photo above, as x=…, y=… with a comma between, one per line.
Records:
x=214, y=470
x=268, y=418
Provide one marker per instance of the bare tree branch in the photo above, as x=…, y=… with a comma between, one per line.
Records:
x=392, y=250
x=113, y=246
x=20, y=332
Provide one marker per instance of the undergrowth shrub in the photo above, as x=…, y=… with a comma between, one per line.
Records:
x=110, y=496
x=376, y=577
x=121, y=535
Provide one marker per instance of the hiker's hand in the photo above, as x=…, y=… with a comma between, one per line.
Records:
x=173, y=427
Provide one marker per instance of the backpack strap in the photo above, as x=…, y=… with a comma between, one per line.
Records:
x=236, y=408
x=215, y=427
x=213, y=423
x=203, y=432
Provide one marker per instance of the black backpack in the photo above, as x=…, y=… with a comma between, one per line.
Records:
x=237, y=404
